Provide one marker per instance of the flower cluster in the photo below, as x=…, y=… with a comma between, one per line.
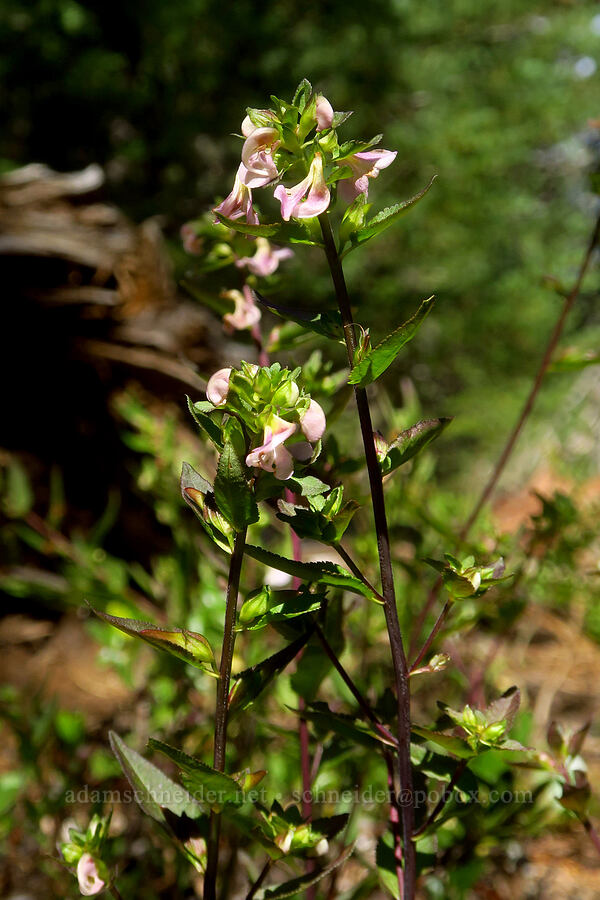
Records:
x=274, y=410
x=300, y=139
x=84, y=850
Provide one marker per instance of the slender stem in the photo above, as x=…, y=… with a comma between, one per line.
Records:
x=263, y=874
x=593, y=834
x=446, y=795
x=406, y=798
x=305, y=763
x=115, y=892
x=356, y=571
x=394, y=820
x=535, y=389
x=235, y=567
x=432, y=634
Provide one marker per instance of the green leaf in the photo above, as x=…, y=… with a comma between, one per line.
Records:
x=346, y=726
x=205, y=422
x=448, y=742
x=384, y=219
x=198, y=494
x=153, y=790
x=267, y=606
x=245, y=228
x=189, y=646
x=325, y=322
x=251, y=682
x=298, y=885
x=192, y=479
x=379, y=358
x=232, y=492
x=307, y=486
x=325, y=572
x=412, y=441
x=302, y=93
x=208, y=787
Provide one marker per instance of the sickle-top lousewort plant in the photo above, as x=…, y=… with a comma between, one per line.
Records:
x=279, y=477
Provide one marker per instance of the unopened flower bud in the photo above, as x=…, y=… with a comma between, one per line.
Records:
x=324, y=113
x=218, y=387
x=381, y=446
x=88, y=876
x=313, y=422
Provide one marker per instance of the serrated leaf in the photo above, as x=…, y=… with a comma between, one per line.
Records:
x=233, y=494
x=251, y=682
x=379, y=358
x=207, y=786
x=153, y=790
x=245, y=228
x=297, y=885
x=412, y=441
x=452, y=744
x=324, y=571
x=301, y=93
x=189, y=646
x=384, y=219
x=505, y=708
x=210, y=428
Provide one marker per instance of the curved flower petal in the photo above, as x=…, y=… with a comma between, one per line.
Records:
x=364, y=166
x=239, y=202
x=257, y=156
x=89, y=880
x=313, y=422
x=310, y=197
x=284, y=464
x=324, y=113
x=266, y=259
x=272, y=456
x=246, y=312
x=218, y=386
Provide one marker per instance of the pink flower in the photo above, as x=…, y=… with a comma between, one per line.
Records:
x=324, y=113
x=218, y=387
x=364, y=166
x=191, y=242
x=246, y=312
x=308, y=198
x=272, y=456
x=239, y=202
x=312, y=422
x=89, y=880
x=266, y=259
x=257, y=157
